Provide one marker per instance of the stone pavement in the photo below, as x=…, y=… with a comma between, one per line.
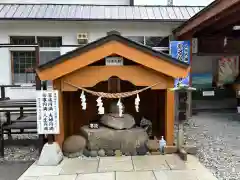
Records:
x=157, y=167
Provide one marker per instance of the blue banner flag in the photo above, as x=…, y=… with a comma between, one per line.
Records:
x=180, y=50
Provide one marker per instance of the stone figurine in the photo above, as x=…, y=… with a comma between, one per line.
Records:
x=147, y=125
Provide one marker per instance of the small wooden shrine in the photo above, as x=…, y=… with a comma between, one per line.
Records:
x=140, y=67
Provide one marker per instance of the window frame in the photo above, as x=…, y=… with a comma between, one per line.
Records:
x=164, y=48
x=45, y=37
x=12, y=67
x=14, y=36
x=29, y=49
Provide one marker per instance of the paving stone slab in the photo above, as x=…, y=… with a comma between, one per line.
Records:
x=137, y=175
x=193, y=163
x=149, y=163
x=28, y=178
x=97, y=176
x=79, y=166
x=109, y=164
x=60, y=177
x=175, y=162
x=175, y=175
x=35, y=171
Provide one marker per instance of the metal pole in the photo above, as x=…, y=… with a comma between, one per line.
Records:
x=2, y=92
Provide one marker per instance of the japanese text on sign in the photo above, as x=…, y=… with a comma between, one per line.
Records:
x=47, y=112
x=180, y=50
x=114, y=61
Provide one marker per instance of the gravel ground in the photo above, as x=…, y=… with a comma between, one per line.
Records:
x=21, y=153
x=217, y=136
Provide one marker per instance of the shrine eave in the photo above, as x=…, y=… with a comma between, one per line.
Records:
x=107, y=46
x=106, y=39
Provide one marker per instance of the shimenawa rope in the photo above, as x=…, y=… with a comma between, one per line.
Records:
x=112, y=95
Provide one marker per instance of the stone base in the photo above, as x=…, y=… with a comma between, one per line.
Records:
x=51, y=155
x=182, y=154
x=155, y=153
x=72, y=155
x=152, y=145
x=190, y=149
x=170, y=149
x=110, y=139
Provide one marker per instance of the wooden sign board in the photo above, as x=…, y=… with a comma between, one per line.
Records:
x=47, y=112
x=208, y=93
x=114, y=61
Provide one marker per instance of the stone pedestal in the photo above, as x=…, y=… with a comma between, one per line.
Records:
x=51, y=155
x=110, y=139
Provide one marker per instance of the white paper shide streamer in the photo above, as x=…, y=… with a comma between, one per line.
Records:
x=137, y=102
x=120, y=106
x=100, y=105
x=83, y=100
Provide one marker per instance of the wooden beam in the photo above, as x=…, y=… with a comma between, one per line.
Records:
x=91, y=75
x=208, y=16
x=225, y=23
x=169, y=115
x=215, y=46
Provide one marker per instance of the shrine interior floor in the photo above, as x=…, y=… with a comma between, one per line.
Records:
x=156, y=167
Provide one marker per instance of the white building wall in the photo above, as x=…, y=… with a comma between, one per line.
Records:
x=68, y=31
x=99, y=2
x=5, y=63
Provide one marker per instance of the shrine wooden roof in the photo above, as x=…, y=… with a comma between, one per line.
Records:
x=109, y=45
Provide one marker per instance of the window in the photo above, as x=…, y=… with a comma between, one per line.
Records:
x=153, y=41
x=46, y=56
x=22, y=40
x=139, y=39
x=49, y=41
x=157, y=42
x=24, y=63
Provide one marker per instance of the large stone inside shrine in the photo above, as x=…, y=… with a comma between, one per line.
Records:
x=111, y=139
x=115, y=133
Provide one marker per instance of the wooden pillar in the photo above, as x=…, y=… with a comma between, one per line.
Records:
x=59, y=138
x=169, y=116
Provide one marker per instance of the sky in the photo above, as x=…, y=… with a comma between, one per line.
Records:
x=175, y=2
